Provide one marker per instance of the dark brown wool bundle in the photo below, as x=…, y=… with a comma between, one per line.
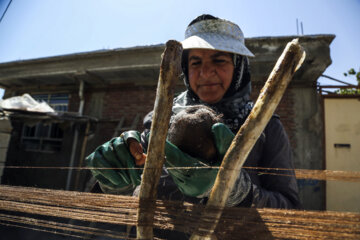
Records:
x=190, y=131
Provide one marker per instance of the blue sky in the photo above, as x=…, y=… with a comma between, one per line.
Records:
x=40, y=28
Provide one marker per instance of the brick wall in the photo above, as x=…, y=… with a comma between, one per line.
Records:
x=128, y=101
x=286, y=111
x=119, y=103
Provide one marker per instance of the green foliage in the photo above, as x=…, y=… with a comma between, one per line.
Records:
x=347, y=91
x=352, y=71
x=350, y=91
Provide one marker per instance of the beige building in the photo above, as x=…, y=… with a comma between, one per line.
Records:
x=342, y=145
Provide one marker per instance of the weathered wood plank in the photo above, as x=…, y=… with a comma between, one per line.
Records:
x=170, y=71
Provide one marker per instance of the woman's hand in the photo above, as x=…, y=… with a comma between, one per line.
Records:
x=136, y=151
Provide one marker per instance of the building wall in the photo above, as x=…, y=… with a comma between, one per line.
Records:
x=5, y=135
x=309, y=151
x=111, y=105
x=299, y=111
x=41, y=169
x=135, y=70
x=342, y=131
x=285, y=110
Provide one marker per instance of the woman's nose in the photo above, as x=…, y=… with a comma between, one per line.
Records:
x=207, y=70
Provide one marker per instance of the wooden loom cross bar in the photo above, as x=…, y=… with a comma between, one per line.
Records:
x=170, y=70
x=269, y=98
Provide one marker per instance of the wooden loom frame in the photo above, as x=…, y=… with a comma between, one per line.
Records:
x=310, y=224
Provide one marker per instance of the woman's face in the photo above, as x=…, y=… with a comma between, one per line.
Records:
x=210, y=73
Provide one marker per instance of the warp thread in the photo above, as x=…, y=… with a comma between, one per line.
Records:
x=332, y=175
x=249, y=223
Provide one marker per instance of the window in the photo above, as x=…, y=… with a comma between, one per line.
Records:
x=41, y=137
x=59, y=102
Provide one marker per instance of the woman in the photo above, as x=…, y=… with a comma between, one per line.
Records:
x=216, y=74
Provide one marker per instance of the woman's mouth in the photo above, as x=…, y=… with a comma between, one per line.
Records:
x=209, y=84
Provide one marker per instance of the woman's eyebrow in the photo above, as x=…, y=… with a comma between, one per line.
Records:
x=196, y=58
x=220, y=54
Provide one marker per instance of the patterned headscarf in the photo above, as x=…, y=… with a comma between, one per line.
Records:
x=235, y=105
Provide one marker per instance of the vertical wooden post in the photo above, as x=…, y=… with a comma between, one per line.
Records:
x=269, y=98
x=170, y=71
x=82, y=156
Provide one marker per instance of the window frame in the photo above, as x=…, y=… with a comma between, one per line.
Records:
x=41, y=134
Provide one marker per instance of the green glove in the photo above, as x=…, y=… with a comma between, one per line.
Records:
x=243, y=185
x=191, y=181
x=223, y=137
x=197, y=182
x=115, y=154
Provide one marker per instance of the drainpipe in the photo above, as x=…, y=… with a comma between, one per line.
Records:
x=76, y=136
x=81, y=95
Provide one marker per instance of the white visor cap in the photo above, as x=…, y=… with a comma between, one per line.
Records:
x=216, y=34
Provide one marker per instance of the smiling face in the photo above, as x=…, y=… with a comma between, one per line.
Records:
x=210, y=73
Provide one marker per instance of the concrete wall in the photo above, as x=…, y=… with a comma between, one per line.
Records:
x=308, y=153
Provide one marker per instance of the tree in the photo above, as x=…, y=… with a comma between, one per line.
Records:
x=351, y=72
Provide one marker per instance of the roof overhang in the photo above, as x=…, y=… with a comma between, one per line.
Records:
x=47, y=117
x=140, y=65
